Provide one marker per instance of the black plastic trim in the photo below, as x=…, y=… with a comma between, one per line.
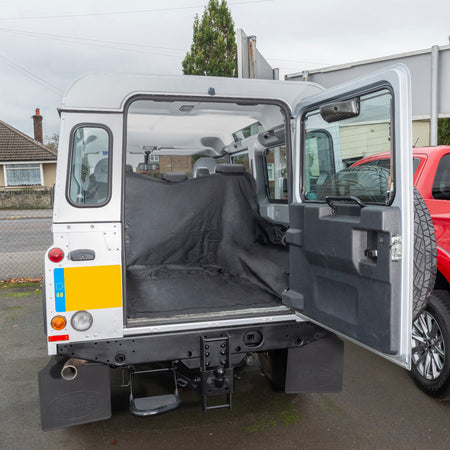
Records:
x=186, y=345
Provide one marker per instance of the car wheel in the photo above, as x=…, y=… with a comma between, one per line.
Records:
x=430, y=343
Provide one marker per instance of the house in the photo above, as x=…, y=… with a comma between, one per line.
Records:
x=25, y=161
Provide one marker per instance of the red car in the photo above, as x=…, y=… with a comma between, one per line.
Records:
x=431, y=327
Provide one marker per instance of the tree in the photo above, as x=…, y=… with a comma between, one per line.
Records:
x=52, y=142
x=213, y=50
x=444, y=131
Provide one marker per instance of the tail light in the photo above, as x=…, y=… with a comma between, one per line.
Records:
x=55, y=255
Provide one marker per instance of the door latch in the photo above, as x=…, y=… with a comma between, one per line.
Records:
x=396, y=248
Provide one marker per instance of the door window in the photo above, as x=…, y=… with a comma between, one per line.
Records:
x=338, y=135
x=441, y=183
x=90, y=163
x=386, y=163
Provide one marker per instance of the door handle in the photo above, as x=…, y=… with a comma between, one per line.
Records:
x=331, y=199
x=82, y=255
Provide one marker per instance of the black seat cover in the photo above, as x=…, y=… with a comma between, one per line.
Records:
x=205, y=222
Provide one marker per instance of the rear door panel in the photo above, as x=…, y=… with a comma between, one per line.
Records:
x=350, y=243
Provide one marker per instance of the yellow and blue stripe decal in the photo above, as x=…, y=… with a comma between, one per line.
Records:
x=60, y=297
x=90, y=287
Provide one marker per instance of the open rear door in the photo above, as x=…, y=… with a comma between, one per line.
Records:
x=351, y=220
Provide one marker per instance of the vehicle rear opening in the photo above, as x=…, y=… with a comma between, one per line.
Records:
x=196, y=246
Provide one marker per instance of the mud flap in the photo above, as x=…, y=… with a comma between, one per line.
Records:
x=316, y=367
x=85, y=399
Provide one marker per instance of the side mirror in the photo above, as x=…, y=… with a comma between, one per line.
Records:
x=332, y=112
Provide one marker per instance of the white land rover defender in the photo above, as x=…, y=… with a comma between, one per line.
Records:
x=199, y=222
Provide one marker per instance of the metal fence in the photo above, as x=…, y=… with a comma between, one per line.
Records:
x=25, y=235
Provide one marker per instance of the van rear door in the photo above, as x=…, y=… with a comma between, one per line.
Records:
x=84, y=285
x=351, y=229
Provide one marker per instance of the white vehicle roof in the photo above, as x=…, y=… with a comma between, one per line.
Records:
x=110, y=92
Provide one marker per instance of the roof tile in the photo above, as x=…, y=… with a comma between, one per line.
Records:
x=17, y=146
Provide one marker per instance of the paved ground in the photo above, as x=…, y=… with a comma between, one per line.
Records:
x=378, y=408
x=25, y=235
x=25, y=213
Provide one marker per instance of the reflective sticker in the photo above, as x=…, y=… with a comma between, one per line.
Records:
x=60, y=294
x=91, y=287
x=59, y=337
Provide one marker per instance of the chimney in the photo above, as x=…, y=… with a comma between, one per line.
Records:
x=37, y=123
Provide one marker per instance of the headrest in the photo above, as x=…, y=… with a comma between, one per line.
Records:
x=205, y=162
x=128, y=168
x=101, y=171
x=202, y=171
x=174, y=176
x=230, y=168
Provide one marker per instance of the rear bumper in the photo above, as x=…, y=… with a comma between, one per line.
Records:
x=185, y=345
x=313, y=362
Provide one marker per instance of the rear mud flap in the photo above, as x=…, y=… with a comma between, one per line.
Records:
x=316, y=367
x=85, y=399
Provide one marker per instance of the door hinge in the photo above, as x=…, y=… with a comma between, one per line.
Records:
x=396, y=248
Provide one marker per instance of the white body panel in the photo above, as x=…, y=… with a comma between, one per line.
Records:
x=105, y=239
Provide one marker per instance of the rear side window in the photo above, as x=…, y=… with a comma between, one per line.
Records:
x=241, y=159
x=441, y=184
x=276, y=174
x=90, y=166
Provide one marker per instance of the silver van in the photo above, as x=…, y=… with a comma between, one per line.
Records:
x=200, y=223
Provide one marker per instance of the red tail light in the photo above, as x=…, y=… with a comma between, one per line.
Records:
x=55, y=255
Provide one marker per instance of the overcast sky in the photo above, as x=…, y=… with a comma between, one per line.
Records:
x=45, y=44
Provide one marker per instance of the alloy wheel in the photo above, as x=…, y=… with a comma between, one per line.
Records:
x=428, y=348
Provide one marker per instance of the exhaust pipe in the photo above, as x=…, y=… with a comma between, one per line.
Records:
x=70, y=369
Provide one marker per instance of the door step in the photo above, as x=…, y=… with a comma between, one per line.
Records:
x=154, y=404
x=157, y=404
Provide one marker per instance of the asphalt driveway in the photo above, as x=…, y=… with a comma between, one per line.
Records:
x=378, y=408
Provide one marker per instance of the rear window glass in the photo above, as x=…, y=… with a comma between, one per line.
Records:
x=89, y=183
x=334, y=142
x=385, y=163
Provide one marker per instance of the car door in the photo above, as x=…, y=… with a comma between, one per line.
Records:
x=351, y=228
